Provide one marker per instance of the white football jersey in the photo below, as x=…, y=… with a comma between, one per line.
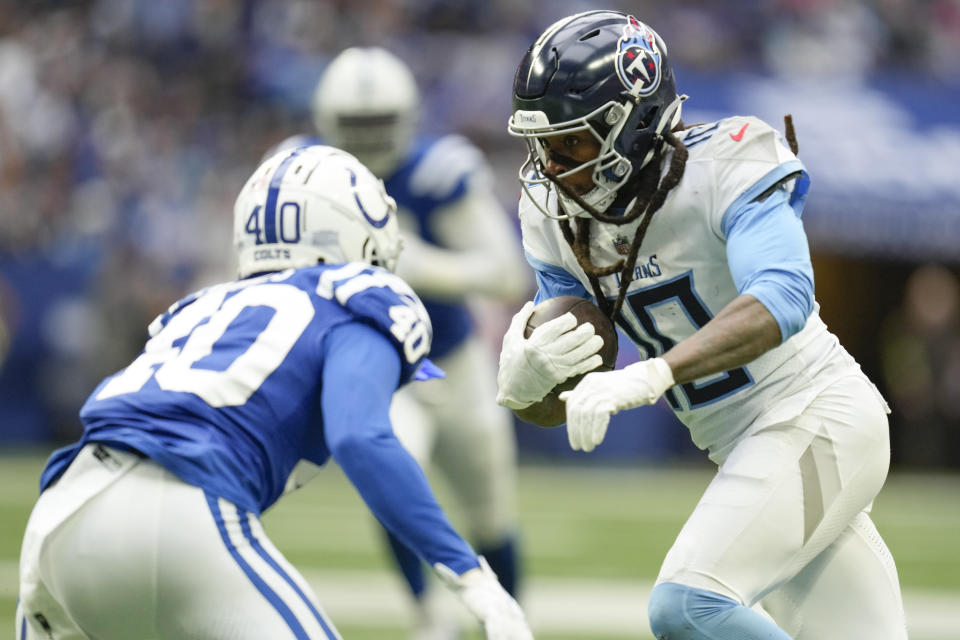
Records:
x=682, y=280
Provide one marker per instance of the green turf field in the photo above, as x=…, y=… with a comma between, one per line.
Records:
x=593, y=540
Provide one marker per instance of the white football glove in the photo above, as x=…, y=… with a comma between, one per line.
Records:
x=481, y=592
x=599, y=395
x=556, y=350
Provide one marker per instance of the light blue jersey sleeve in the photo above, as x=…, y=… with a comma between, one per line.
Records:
x=769, y=257
x=361, y=371
x=554, y=281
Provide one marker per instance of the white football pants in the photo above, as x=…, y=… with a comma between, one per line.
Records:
x=785, y=523
x=456, y=425
x=119, y=548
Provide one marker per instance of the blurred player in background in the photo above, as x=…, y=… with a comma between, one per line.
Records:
x=690, y=238
x=148, y=527
x=458, y=244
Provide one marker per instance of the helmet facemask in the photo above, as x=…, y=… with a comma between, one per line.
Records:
x=610, y=170
x=379, y=141
x=616, y=163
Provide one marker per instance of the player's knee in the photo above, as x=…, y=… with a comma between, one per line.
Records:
x=679, y=612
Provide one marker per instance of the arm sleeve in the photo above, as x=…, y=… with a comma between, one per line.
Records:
x=770, y=260
x=458, y=239
x=475, y=251
x=553, y=281
x=360, y=373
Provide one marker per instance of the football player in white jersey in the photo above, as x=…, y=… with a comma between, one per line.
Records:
x=690, y=238
x=148, y=527
x=458, y=245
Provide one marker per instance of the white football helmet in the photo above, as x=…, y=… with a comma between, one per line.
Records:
x=313, y=204
x=367, y=104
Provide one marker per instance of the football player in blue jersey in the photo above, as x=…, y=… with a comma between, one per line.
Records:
x=148, y=527
x=458, y=246
x=690, y=238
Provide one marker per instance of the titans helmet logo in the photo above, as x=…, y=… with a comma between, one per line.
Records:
x=638, y=58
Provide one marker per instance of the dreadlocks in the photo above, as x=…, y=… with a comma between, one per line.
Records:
x=651, y=192
x=791, y=134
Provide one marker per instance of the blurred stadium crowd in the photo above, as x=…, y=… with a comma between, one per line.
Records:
x=127, y=127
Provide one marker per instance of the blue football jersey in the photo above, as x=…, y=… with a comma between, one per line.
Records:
x=226, y=393
x=435, y=174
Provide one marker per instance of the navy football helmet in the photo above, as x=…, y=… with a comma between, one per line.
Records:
x=599, y=71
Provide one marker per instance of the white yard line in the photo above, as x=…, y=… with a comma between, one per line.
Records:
x=575, y=607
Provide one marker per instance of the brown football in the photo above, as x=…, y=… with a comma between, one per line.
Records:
x=584, y=311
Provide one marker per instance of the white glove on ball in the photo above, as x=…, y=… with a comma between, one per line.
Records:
x=599, y=395
x=483, y=595
x=556, y=350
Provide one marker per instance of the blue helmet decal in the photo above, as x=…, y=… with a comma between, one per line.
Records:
x=379, y=224
x=270, y=215
x=639, y=59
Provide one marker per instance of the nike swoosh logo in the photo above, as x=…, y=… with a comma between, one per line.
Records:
x=738, y=136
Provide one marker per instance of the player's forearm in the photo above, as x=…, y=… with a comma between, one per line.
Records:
x=476, y=232
x=742, y=331
x=440, y=273
x=396, y=491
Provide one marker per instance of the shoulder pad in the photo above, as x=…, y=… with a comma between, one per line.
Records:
x=384, y=301
x=698, y=134
x=749, y=138
x=541, y=236
x=733, y=158
x=444, y=167
x=161, y=320
x=532, y=199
